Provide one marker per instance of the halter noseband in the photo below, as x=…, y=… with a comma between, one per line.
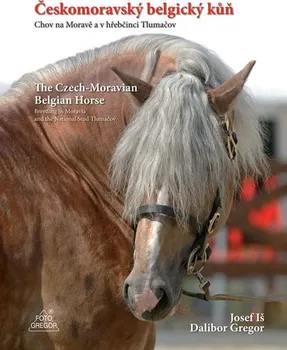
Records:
x=200, y=249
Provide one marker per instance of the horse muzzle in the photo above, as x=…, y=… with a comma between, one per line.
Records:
x=149, y=301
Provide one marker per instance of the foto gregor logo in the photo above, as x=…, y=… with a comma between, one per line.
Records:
x=44, y=323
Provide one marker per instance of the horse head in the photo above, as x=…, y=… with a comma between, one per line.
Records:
x=178, y=158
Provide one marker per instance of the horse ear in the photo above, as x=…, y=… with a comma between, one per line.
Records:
x=222, y=96
x=143, y=89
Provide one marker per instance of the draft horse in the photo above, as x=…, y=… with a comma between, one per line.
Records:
x=99, y=219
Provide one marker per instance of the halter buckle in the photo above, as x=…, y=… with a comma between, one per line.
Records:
x=213, y=222
x=231, y=145
x=232, y=141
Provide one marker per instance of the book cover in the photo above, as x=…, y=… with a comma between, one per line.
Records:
x=142, y=175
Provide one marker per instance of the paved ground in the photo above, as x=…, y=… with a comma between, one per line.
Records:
x=175, y=340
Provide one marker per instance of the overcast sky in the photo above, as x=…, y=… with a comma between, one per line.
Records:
x=258, y=30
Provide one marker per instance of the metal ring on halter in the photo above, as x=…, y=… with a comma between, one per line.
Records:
x=212, y=223
x=203, y=262
x=191, y=265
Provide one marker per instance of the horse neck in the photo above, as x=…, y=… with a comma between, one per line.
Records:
x=83, y=142
x=85, y=148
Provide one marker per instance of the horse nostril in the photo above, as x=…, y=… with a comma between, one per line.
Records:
x=159, y=293
x=126, y=291
x=163, y=297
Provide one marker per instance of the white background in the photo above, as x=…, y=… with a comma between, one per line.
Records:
x=257, y=31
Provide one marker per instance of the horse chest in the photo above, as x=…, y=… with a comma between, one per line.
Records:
x=89, y=317
x=76, y=278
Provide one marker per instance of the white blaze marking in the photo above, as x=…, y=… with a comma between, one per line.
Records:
x=154, y=244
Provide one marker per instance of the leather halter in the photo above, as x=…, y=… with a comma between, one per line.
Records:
x=200, y=250
x=200, y=241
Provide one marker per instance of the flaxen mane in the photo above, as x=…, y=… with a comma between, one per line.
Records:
x=175, y=136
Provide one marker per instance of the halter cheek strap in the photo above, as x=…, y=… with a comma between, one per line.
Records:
x=208, y=228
